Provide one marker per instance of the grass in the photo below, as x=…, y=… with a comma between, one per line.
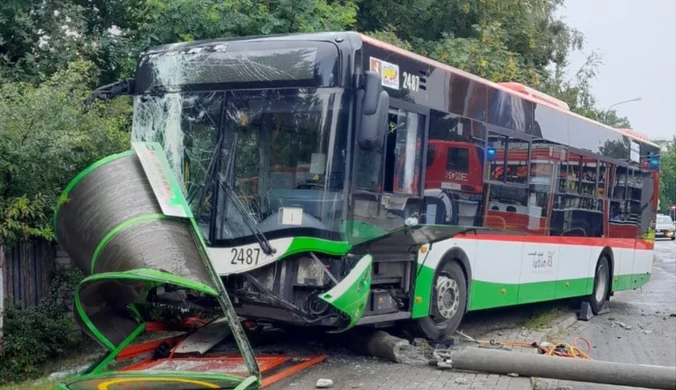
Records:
x=30, y=386
x=80, y=357
x=542, y=319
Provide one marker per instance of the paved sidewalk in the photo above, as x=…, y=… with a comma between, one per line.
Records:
x=351, y=372
x=376, y=374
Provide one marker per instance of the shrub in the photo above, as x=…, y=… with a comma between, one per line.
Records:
x=37, y=335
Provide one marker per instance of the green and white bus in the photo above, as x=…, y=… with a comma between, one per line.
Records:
x=341, y=181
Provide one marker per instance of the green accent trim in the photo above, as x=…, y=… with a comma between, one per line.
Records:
x=236, y=380
x=351, y=294
x=485, y=295
x=149, y=275
x=630, y=282
x=117, y=229
x=489, y=295
x=226, y=305
x=78, y=306
x=423, y=292
x=309, y=244
x=573, y=288
x=81, y=176
x=119, y=349
x=246, y=384
x=153, y=276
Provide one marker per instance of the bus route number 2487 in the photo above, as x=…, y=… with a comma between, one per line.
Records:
x=248, y=256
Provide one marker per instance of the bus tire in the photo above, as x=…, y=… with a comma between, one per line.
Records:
x=601, y=290
x=449, y=300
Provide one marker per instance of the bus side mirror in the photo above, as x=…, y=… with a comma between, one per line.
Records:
x=373, y=118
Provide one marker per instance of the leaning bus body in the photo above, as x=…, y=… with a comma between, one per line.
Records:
x=341, y=181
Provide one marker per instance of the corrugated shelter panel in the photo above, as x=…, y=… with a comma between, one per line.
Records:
x=166, y=244
x=106, y=204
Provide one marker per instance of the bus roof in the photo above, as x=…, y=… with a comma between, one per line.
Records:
x=513, y=89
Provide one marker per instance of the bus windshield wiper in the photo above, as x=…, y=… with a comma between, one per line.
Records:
x=225, y=186
x=262, y=240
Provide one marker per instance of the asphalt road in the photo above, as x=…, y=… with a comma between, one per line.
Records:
x=640, y=328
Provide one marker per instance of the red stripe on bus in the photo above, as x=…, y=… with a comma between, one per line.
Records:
x=624, y=243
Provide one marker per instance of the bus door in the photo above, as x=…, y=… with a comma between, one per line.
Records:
x=388, y=183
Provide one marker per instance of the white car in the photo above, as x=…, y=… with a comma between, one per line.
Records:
x=664, y=227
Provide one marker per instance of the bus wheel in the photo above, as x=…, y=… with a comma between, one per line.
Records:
x=601, y=285
x=449, y=298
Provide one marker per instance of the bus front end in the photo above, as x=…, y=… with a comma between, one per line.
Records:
x=258, y=131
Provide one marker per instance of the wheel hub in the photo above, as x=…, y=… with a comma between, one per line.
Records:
x=601, y=284
x=447, y=297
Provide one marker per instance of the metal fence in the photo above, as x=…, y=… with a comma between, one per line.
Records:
x=26, y=271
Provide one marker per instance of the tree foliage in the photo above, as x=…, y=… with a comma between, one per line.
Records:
x=668, y=176
x=502, y=40
x=46, y=138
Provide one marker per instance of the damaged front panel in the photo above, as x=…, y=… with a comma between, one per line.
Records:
x=170, y=109
x=126, y=224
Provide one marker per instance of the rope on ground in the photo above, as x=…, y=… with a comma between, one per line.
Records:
x=545, y=348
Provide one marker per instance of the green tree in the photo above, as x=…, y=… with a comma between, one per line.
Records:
x=514, y=40
x=668, y=176
x=46, y=138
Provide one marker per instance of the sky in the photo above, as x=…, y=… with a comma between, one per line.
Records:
x=637, y=43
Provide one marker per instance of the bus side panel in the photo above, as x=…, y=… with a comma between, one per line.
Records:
x=575, y=276
x=496, y=274
x=539, y=268
x=427, y=266
x=624, y=266
x=643, y=262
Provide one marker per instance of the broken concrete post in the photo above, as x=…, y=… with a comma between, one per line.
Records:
x=383, y=345
x=379, y=344
x=580, y=370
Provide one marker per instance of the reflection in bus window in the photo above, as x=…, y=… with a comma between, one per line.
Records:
x=603, y=173
x=569, y=176
x=634, y=189
x=544, y=161
x=517, y=161
x=404, y=152
x=455, y=169
x=576, y=215
x=508, y=209
x=497, y=144
x=458, y=159
x=620, y=183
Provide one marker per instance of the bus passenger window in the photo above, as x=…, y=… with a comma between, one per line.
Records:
x=404, y=148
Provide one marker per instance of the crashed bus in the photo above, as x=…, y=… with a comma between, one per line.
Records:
x=340, y=181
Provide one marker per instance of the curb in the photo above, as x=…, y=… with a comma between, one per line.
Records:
x=558, y=325
x=562, y=323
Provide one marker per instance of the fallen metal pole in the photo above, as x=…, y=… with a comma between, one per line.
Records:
x=580, y=370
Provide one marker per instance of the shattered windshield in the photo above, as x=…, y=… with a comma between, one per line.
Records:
x=282, y=152
x=284, y=156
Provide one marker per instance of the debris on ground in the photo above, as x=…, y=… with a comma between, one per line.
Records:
x=621, y=325
x=460, y=381
x=323, y=383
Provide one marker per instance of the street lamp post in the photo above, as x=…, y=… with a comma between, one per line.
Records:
x=625, y=101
